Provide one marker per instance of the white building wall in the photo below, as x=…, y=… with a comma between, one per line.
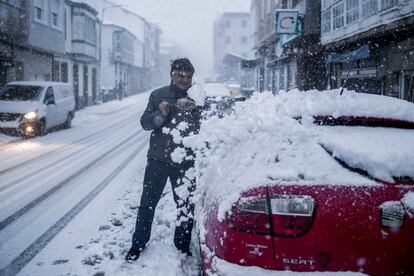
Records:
x=108, y=80
x=232, y=37
x=138, y=53
x=68, y=30
x=109, y=13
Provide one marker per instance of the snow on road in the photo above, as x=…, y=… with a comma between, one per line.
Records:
x=96, y=237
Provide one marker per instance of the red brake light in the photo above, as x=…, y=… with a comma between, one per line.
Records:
x=280, y=215
x=292, y=215
x=251, y=214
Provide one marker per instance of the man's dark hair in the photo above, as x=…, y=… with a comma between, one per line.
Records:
x=182, y=64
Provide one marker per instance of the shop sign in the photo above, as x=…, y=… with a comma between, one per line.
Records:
x=286, y=21
x=360, y=53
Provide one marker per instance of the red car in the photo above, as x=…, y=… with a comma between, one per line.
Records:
x=308, y=182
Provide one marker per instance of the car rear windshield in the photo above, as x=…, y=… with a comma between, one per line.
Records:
x=362, y=121
x=20, y=93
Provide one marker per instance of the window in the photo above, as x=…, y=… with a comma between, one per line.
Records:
x=326, y=21
x=84, y=28
x=369, y=7
x=64, y=72
x=352, y=12
x=55, y=73
x=385, y=4
x=228, y=40
x=54, y=19
x=338, y=16
x=39, y=9
x=291, y=76
x=282, y=78
x=244, y=23
x=49, y=96
x=19, y=70
x=39, y=13
x=55, y=12
x=85, y=80
x=326, y=3
x=243, y=40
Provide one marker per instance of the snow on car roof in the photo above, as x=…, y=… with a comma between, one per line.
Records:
x=216, y=90
x=261, y=144
x=331, y=103
x=36, y=83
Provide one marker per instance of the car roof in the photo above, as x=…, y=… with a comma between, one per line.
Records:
x=215, y=89
x=37, y=83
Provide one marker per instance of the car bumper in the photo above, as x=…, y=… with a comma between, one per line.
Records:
x=222, y=267
x=26, y=127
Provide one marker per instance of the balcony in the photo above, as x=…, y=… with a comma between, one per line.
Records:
x=13, y=25
x=123, y=56
x=123, y=47
x=84, y=49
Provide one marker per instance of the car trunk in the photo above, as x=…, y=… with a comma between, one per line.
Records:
x=345, y=232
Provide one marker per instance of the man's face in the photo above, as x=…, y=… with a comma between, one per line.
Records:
x=182, y=79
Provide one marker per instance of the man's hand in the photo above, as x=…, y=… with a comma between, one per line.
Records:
x=185, y=104
x=164, y=108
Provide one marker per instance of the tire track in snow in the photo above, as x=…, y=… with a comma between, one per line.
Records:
x=65, y=147
x=64, y=158
x=30, y=252
x=32, y=204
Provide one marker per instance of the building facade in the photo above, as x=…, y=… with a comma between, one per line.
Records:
x=370, y=45
x=285, y=61
x=122, y=62
x=31, y=34
x=147, y=50
x=79, y=65
x=233, y=42
x=60, y=40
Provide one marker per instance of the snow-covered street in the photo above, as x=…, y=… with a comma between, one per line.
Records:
x=69, y=199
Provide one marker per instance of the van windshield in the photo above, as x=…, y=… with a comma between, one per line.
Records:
x=20, y=93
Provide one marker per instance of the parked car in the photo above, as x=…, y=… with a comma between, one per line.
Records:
x=234, y=89
x=220, y=97
x=30, y=108
x=313, y=181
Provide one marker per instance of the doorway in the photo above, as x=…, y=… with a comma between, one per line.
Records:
x=407, y=92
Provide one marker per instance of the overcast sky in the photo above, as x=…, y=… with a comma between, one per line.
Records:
x=188, y=22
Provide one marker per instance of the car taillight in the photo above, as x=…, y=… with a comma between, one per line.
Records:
x=251, y=214
x=292, y=215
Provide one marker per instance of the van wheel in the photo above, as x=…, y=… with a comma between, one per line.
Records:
x=68, y=122
x=40, y=131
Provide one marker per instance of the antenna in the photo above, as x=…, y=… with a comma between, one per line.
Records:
x=347, y=74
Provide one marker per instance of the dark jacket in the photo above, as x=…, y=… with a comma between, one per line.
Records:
x=161, y=142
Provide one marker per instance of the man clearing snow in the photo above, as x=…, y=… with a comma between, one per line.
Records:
x=171, y=115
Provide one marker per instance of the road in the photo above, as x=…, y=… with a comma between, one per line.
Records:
x=68, y=199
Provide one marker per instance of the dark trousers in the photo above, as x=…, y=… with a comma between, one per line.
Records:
x=155, y=178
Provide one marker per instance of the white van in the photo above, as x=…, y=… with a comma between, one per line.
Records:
x=31, y=108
